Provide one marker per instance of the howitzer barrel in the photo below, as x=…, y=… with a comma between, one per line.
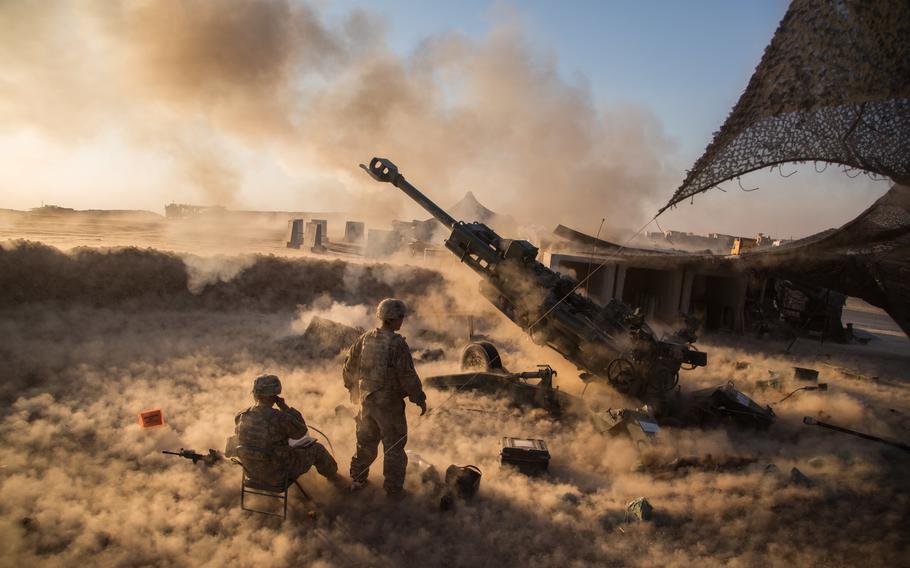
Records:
x=382, y=169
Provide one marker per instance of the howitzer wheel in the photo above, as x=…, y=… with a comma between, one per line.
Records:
x=621, y=374
x=480, y=356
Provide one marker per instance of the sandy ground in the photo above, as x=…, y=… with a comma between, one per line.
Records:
x=82, y=483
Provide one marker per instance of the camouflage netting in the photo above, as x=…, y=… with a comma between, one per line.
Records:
x=833, y=86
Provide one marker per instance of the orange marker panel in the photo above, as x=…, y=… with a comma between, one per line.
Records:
x=151, y=418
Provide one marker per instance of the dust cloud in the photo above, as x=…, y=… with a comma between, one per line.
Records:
x=95, y=336
x=237, y=103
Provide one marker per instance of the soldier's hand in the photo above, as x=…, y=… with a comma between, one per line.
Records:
x=423, y=407
x=280, y=402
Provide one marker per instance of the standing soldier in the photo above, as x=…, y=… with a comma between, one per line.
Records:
x=262, y=434
x=379, y=373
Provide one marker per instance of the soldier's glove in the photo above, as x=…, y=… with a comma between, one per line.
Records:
x=423, y=407
x=280, y=402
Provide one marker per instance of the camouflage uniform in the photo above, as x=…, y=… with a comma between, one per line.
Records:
x=262, y=434
x=379, y=373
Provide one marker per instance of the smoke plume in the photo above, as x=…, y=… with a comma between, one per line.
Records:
x=266, y=86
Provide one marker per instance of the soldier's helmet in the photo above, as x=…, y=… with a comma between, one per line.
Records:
x=390, y=309
x=266, y=385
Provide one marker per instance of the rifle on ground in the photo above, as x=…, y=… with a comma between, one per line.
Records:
x=809, y=421
x=208, y=459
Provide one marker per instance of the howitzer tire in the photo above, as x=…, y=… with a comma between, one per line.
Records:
x=480, y=356
x=621, y=374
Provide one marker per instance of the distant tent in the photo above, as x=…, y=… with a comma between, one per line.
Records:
x=469, y=209
x=833, y=86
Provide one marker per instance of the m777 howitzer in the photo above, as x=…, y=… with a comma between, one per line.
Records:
x=611, y=343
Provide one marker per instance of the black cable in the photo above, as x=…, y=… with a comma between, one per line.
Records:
x=819, y=386
x=331, y=448
x=791, y=394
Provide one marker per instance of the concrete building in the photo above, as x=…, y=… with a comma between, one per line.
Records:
x=662, y=284
x=662, y=287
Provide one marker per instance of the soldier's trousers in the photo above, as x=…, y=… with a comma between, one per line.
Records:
x=381, y=418
x=302, y=459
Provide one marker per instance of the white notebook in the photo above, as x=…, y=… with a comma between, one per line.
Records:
x=304, y=442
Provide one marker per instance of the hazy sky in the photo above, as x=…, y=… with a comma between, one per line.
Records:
x=130, y=107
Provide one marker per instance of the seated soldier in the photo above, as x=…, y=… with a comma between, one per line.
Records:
x=262, y=437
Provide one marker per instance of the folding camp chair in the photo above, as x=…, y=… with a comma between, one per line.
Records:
x=253, y=486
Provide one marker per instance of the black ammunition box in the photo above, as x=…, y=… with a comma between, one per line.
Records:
x=528, y=455
x=804, y=374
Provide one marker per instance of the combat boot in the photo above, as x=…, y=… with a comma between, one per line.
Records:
x=356, y=486
x=396, y=494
